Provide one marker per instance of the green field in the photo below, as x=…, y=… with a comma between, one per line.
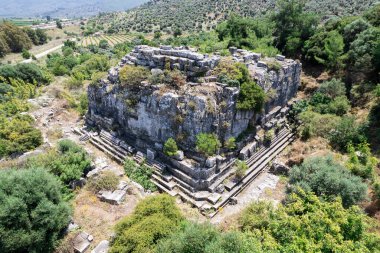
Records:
x=112, y=39
x=23, y=22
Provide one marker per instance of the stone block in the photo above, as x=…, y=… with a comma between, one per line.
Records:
x=211, y=162
x=220, y=188
x=244, y=154
x=179, y=155
x=279, y=168
x=261, y=64
x=102, y=247
x=113, y=198
x=81, y=242
x=150, y=154
x=280, y=57
x=233, y=201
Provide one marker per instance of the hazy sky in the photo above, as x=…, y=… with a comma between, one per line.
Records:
x=61, y=8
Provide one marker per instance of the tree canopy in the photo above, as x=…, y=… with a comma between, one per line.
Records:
x=32, y=212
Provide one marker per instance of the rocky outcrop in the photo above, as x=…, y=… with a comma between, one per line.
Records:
x=150, y=114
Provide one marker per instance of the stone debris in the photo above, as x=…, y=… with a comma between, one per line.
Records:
x=82, y=242
x=72, y=226
x=279, y=168
x=102, y=247
x=115, y=197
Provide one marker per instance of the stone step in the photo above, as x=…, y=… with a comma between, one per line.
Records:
x=248, y=179
x=168, y=185
x=218, y=179
x=118, y=148
x=108, y=150
x=263, y=158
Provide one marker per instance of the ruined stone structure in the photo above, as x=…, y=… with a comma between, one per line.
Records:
x=202, y=105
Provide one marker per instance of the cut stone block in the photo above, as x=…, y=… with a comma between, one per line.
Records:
x=113, y=198
x=102, y=247
x=81, y=242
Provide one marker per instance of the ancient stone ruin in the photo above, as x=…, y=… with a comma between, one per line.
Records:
x=201, y=105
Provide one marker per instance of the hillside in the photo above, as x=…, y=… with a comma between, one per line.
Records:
x=196, y=15
x=64, y=8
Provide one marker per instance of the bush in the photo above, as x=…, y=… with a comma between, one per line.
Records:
x=154, y=218
x=107, y=181
x=361, y=161
x=170, y=147
x=25, y=54
x=69, y=161
x=28, y=72
x=328, y=179
x=251, y=97
x=318, y=125
x=203, y=238
x=132, y=75
x=230, y=143
x=139, y=174
x=305, y=222
x=241, y=168
x=207, y=144
x=32, y=212
x=333, y=88
x=345, y=132
x=17, y=135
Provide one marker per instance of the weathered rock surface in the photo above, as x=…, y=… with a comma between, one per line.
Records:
x=161, y=112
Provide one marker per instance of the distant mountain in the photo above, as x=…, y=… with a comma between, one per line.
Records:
x=63, y=8
x=196, y=15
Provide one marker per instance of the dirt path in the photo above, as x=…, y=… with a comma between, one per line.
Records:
x=40, y=55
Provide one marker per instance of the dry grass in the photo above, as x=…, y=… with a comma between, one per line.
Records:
x=299, y=150
x=98, y=218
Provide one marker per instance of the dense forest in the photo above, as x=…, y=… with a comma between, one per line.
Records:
x=326, y=198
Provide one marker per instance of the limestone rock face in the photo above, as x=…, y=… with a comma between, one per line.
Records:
x=150, y=114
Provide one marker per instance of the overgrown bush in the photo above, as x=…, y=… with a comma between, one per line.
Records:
x=139, y=173
x=132, y=75
x=18, y=135
x=154, y=218
x=230, y=143
x=33, y=214
x=251, y=97
x=207, y=144
x=328, y=179
x=204, y=238
x=69, y=161
x=305, y=222
x=106, y=181
x=170, y=147
x=241, y=168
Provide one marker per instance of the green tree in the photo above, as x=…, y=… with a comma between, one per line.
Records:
x=333, y=48
x=33, y=214
x=293, y=26
x=170, y=147
x=154, y=218
x=327, y=178
x=333, y=88
x=103, y=44
x=177, y=32
x=207, y=144
x=157, y=35
x=58, y=24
